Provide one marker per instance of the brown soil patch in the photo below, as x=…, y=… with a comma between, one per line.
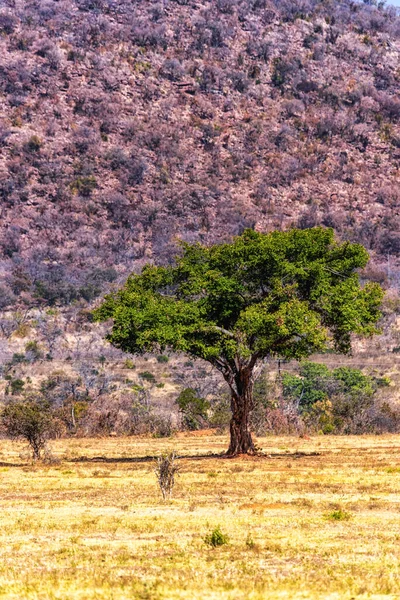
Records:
x=263, y=506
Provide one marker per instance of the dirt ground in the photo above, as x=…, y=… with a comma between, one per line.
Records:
x=311, y=518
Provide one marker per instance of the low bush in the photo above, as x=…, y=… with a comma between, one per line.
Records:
x=339, y=515
x=147, y=376
x=193, y=409
x=216, y=538
x=161, y=358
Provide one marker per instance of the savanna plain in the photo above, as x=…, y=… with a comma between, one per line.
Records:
x=310, y=518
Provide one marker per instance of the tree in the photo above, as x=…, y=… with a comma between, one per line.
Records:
x=282, y=294
x=32, y=420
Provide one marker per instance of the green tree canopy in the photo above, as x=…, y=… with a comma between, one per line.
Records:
x=284, y=294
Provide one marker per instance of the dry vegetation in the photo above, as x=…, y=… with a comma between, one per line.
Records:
x=124, y=125
x=313, y=518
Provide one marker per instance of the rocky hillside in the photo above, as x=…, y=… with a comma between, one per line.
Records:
x=127, y=125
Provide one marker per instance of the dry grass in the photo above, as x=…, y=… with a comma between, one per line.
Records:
x=315, y=518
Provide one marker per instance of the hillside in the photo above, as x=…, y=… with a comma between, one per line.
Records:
x=127, y=125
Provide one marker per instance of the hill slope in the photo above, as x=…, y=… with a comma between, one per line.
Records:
x=126, y=125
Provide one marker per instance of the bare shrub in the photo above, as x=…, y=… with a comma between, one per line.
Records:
x=8, y=23
x=165, y=471
x=172, y=69
x=150, y=35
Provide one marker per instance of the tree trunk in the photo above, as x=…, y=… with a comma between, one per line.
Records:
x=73, y=416
x=241, y=404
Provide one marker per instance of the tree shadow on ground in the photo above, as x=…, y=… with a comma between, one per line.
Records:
x=144, y=459
x=149, y=459
x=138, y=459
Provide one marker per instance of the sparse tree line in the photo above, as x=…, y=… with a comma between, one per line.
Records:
x=316, y=400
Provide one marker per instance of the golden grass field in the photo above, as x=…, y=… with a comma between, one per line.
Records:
x=94, y=525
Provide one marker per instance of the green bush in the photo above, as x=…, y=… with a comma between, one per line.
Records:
x=147, y=376
x=330, y=400
x=339, y=515
x=18, y=358
x=84, y=186
x=129, y=364
x=161, y=358
x=384, y=381
x=193, y=409
x=16, y=386
x=216, y=538
x=250, y=543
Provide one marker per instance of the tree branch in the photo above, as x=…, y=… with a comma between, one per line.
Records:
x=221, y=330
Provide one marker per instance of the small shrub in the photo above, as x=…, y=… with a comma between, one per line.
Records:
x=34, y=144
x=147, y=376
x=33, y=351
x=172, y=70
x=384, y=381
x=392, y=470
x=18, y=357
x=161, y=358
x=129, y=364
x=161, y=426
x=84, y=185
x=339, y=515
x=250, y=543
x=165, y=471
x=216, y=538
x=8, y=23
x=17, y=386
x=136, y=171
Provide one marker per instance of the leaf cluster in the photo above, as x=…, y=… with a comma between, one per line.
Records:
x=317, y=383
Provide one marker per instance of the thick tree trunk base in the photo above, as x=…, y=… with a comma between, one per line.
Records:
x=241, y=440
x=241, y=406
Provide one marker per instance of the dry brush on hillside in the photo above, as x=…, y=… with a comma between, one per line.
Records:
x=126, y=125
